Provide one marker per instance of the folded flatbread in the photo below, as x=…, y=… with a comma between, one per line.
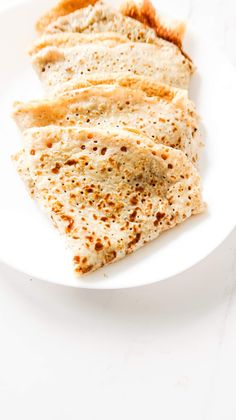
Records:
x=101, y=17
x=109, y=192
x=164, y=114
x=61, y=58
x=97, y=16
x=90, y=12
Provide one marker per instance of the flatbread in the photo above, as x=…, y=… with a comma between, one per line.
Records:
x=103, y=18
x=164, y=114
x=97, y=16
x=62, y=8
x=66, y=57
x=109, y=192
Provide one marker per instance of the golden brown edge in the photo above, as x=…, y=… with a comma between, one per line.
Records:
x=150, y=87
x=146, y=14
x=64, y=7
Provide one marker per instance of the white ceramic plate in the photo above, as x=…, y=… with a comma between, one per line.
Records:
x=30, y=244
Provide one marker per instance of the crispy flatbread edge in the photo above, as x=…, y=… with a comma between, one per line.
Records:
x=64, y=7
x=147, y=14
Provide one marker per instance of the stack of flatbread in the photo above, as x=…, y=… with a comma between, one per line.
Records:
x=111, y=153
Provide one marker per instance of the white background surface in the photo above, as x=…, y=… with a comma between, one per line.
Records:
x=165, y=351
